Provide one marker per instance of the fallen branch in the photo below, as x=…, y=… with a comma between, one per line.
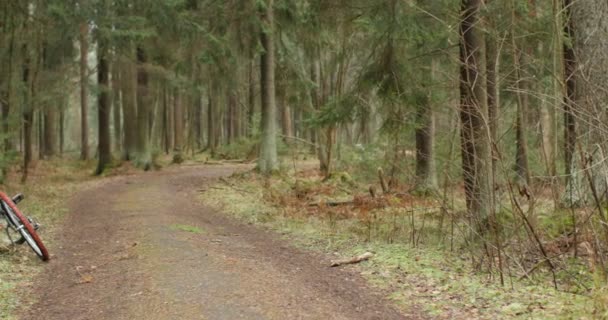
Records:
x=357, y=259
x=332, y=203
x=238, y=161
x=233, y=186
x=229, y=161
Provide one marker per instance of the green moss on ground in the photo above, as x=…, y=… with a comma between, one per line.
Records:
x=186, y=228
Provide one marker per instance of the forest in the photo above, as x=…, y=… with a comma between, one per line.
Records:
x=475, y=129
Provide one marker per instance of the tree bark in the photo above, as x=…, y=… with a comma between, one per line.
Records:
x=28, y=115
x=178, y=118
x=116, y=107
x=84, y=92
x=286, y=124
x=476, y=161
x=50, y=131
x=569, y=98
x=105, y=151
x=9, y=90
x=62, y=127
x=590, y=41
x=251, y=95
x=522, y=167
x=129, y=106
x=268, y=160
x=212, y=138
x=144, y=157
x=198, y=126
x=425, y=155
x=492, y=61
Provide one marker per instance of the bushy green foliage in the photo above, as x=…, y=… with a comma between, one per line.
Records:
x=362, y=161
x=242, y=148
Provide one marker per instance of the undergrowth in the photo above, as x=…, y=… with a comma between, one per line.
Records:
x=49, y=186
x=420, y=262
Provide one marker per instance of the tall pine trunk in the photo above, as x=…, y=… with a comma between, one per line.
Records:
x=84, y=92
x=425, y=155
x=569, y=98
x=476, y=161
x=522, y=167
x=212, y=138
x=103, y=72
x=178, y=118
x=116, y=107
x=50, y=131
x=144, y=157
x=129, y=107
x=28, y=116
x=268, y=160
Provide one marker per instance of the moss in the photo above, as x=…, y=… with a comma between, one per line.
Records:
x=187, y=228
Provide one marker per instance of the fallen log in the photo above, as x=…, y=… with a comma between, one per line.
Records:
x=357, y=259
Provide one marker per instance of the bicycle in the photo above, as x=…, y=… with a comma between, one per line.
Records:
x=17, y=223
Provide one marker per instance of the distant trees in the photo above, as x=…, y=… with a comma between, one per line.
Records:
x=192, y=76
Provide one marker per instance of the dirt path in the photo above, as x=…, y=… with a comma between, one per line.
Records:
x=143, y=247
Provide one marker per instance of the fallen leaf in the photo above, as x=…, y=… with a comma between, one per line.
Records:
x=86, y=278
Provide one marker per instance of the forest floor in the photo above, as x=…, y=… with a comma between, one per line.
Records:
x=220, y=242
x=145, y=246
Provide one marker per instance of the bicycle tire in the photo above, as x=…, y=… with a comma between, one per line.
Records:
x=28, y=232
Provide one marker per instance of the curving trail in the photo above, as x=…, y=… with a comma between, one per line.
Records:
x=128, y=250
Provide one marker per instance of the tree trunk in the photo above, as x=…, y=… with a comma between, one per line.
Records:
x=84, y=92
x=50, y=131
x=521, y=156
x=286, y=124
x=129, y=106
x=590, y=40
x=165, y=120
x=268, y=161
x=492, y=60
x=28, y=117
x=116, y=108
x=144, y=157
x=6, y=107
x=569, y=98
x=236, y=116
x=319, y=137
x=178, y=118
x=476, y=161
x=425, y=155
x=62, y=127
x=40, y=132
x=211, y=120
x=104, y=149
x=251, y=96
x=198, y=126
x=231, y=117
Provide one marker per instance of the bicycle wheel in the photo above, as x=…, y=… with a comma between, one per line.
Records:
x=23, y=225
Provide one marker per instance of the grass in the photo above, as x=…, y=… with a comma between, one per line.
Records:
x=47, y=191
x=187, y=228
x=440, y=281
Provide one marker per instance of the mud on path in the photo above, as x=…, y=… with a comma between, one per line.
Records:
x=144, y=247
